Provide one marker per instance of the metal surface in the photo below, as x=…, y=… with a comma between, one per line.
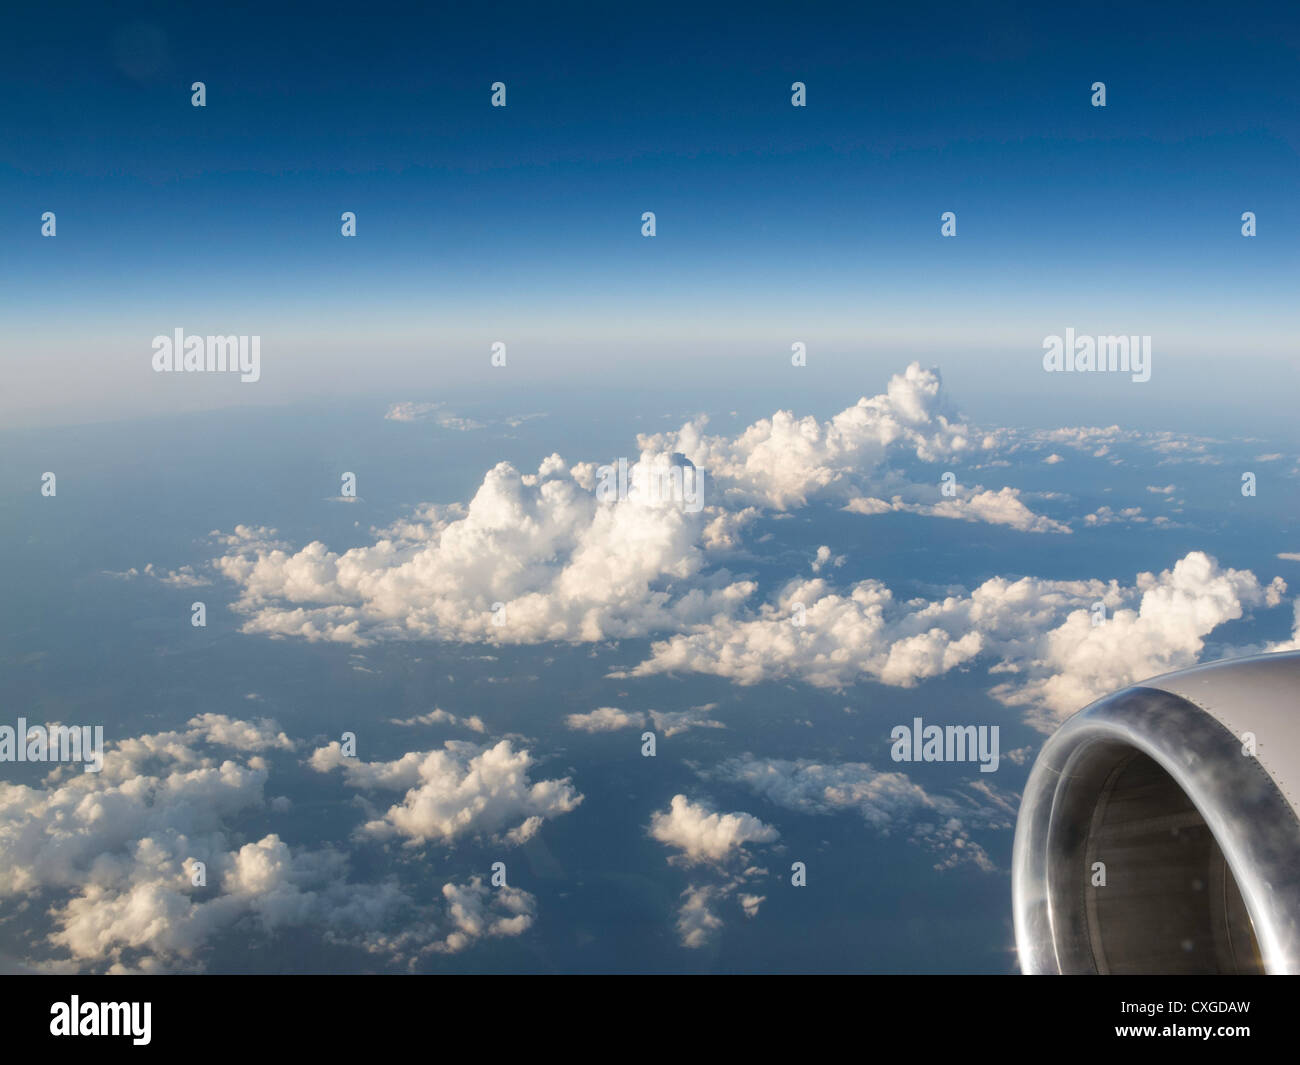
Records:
x=1200, y=841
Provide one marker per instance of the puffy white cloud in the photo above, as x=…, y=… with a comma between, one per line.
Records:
x=461, y=790
x=784, y=461
x=1077, y=661
x=841, y=639
x=703, y=836
x=716, y=846
x=1039, y=631
x=477, y=911
x=722, y=533
x=537, y=557
x=605, y=719
x=114, y=853
x=870, y=505
x=532, y=557
x=261, y=735
x=825, y=557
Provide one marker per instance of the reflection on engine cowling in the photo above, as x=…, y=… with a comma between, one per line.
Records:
x=1149, y=841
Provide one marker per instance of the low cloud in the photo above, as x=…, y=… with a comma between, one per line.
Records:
x=461, y=790
x=113, y=855
x=536, y=557
x=1039, y=632
x=605, y=719
x=702, y=836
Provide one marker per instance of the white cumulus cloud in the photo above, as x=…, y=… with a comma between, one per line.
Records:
x=704, y=836
x=1041, y=632
x=461, y=790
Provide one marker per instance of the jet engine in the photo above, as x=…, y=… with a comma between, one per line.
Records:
x=1160, y=828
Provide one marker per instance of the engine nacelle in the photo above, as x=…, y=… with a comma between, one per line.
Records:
x=1160, y=828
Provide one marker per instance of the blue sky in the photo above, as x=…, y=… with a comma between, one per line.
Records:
x=775, y=223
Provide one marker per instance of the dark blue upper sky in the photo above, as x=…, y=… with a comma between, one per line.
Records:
x=773, y=221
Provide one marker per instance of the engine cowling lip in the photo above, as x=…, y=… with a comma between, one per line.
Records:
x=1249, y=816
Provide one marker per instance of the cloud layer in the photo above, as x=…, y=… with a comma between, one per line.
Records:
x=1062, y=650
x=461, y=790
x=141, y=865
x=541, y=556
